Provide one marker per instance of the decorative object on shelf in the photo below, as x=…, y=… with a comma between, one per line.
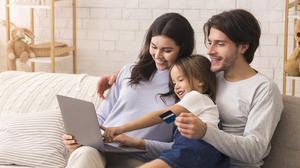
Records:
x=298, y=5
x=54, y=51
x=292, y=65
x=44, y=49
x=17, y=47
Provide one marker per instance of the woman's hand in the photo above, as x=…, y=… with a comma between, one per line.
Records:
x=105, y=83
x=190, y=126
x=70, y=143
x=128, y=141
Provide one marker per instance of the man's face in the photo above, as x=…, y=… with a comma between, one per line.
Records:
x=222, y=51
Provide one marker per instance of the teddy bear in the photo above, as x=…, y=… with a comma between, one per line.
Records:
x=17, y=47
x=292, y=65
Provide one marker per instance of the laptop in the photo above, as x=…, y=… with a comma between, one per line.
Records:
x=81, y=122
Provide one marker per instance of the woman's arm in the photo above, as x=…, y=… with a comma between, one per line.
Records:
x=128, y=141
x=154, y=148
x=147, y=120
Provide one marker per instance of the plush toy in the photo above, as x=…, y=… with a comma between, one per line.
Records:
x=17, y=47
x=292, y=65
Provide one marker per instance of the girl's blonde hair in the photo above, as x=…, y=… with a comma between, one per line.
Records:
x=196, y=67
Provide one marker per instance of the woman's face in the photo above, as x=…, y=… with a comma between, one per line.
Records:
x=164, y=51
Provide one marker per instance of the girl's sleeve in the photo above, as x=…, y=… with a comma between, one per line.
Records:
x=201, y=106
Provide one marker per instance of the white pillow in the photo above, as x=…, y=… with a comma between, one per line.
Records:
x=32, y=139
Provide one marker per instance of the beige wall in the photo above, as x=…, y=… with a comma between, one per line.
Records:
x=110, y=32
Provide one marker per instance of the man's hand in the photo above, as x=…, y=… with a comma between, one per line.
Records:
x=190, y=126
x=105, y=83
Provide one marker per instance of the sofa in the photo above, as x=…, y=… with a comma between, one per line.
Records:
x=285, y=151
x=31, y=124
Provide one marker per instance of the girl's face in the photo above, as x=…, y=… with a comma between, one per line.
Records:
x=164, y=51
x=181, y=83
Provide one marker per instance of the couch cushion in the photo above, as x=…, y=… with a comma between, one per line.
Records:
x=32, y=139
x=23, y=92
x=285, y=143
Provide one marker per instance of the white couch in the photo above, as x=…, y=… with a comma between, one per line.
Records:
x=30, y=120
x=31, y=124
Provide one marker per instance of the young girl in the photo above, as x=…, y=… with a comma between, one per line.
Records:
x=194, y=84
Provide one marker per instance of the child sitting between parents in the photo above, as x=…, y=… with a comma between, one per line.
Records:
x=195, y=86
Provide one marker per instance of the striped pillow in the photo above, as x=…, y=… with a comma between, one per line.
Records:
x=32, y=139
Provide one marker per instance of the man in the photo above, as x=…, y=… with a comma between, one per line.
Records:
x=249, y=103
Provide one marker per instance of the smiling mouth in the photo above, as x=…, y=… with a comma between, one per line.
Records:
x=180, y=93
x=215, y=60
x=160, y=62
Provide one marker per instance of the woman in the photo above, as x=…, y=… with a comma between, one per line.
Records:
x=138, y=90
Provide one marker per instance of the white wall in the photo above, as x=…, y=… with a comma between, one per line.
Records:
x=110, y=32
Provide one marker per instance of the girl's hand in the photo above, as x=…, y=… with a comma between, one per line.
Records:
x=110, y=132
x=128, y=141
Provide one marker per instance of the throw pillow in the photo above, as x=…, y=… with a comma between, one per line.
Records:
x=32, y=139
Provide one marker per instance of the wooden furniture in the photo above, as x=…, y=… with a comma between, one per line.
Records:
x=52, y=59
x=289, y=15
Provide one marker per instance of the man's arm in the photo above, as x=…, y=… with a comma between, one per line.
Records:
x=249, y=148
x=105, y=83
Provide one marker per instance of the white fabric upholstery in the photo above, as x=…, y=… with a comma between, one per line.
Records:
x=32, y=139
x=24, y=92
x=31, y=92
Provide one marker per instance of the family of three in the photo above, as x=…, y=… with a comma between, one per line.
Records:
x=204, y=95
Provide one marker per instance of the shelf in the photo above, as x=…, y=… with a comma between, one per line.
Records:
x=48, y=59
x=294, y=15
x=293, y=77
x=291, y=12
x=53, y=51
x=29, y=6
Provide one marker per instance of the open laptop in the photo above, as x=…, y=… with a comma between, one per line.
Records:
x=81, y=122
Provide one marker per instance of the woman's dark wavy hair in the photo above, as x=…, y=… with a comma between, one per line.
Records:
x=240, y=26
x=173, y=26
